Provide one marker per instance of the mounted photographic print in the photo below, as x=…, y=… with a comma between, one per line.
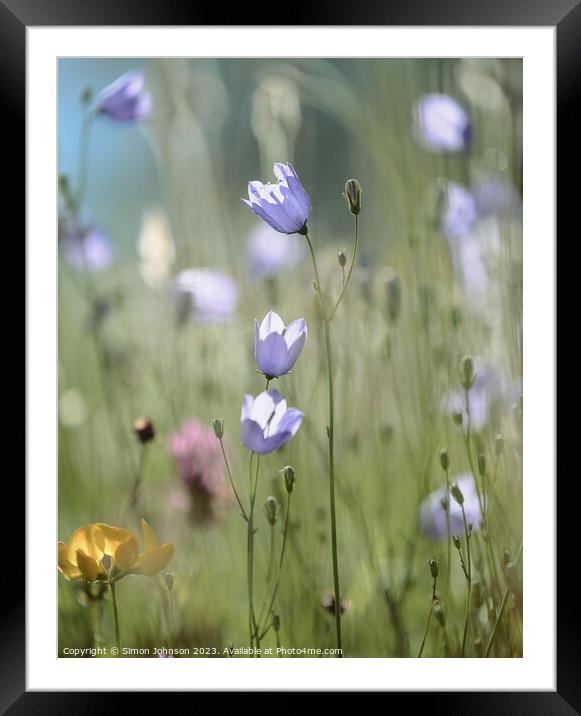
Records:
x=290, y=352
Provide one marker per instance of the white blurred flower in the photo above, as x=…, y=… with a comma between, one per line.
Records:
x=441, y=124
x=276, y=117
x=492, y=396
x=156, y=248
x=475, y=257
x=206, y=295
x=270, y=254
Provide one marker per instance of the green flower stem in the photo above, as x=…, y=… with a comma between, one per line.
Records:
x=171, y=620
x=351, y=267
x=468, y=580
x=330, y=436
x=115, y=614
x=501, y=610
x=426, y=630
x=253, y=628
x=228, y=471
x=481, y=496
x=434, y=601
x=280, y=565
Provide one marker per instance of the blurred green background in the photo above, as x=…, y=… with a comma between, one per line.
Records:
x=123, y=352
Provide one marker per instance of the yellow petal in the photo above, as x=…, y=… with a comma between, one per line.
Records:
x=88, y=565
x=109, y=538
x=84, y=539
x=126, y=554
x=152, y=562
x=149, y=538
x=69, y=570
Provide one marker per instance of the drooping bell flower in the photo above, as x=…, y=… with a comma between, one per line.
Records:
x=266, y=423
x=276, y=346
x=441, y=125
x=285, y=205
x=125, y=100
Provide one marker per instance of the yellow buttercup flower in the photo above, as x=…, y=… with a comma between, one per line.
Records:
x=103, y=553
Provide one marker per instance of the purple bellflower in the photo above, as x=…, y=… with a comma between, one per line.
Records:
x=285, y=205
x=461, y=211
x=432, y=516
x=276, y=347
x=441, y=124
x=266, y=423
x=87, y=249
x=124, y=100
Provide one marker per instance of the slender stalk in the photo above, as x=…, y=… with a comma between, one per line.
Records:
x=449, y=563
x=330, y=436
x=115, y=614
x=253, y=628
x=171, y=620
x=500, y=611
x=236, y=495
x=280, y=564
x=468, y=580
x=481, y=496
x=351, y=267
x=426, y=632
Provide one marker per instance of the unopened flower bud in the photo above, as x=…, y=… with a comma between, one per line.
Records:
x=457, y=493
x=289, y=478
x=467, y=372
x=353, y=195
x=144, y=430
x=457, y=543
x=498, y=445
x=342, y=257
x=168, y=579
x=439, y=614
x=434, y=568
x=445, y=504
x=218, y=425
x=270, y=509
x=444, y=460
x=276, y=622
x=482, y=464
x=506, y=558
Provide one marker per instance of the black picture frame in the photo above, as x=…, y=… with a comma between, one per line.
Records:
x=565, y=15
